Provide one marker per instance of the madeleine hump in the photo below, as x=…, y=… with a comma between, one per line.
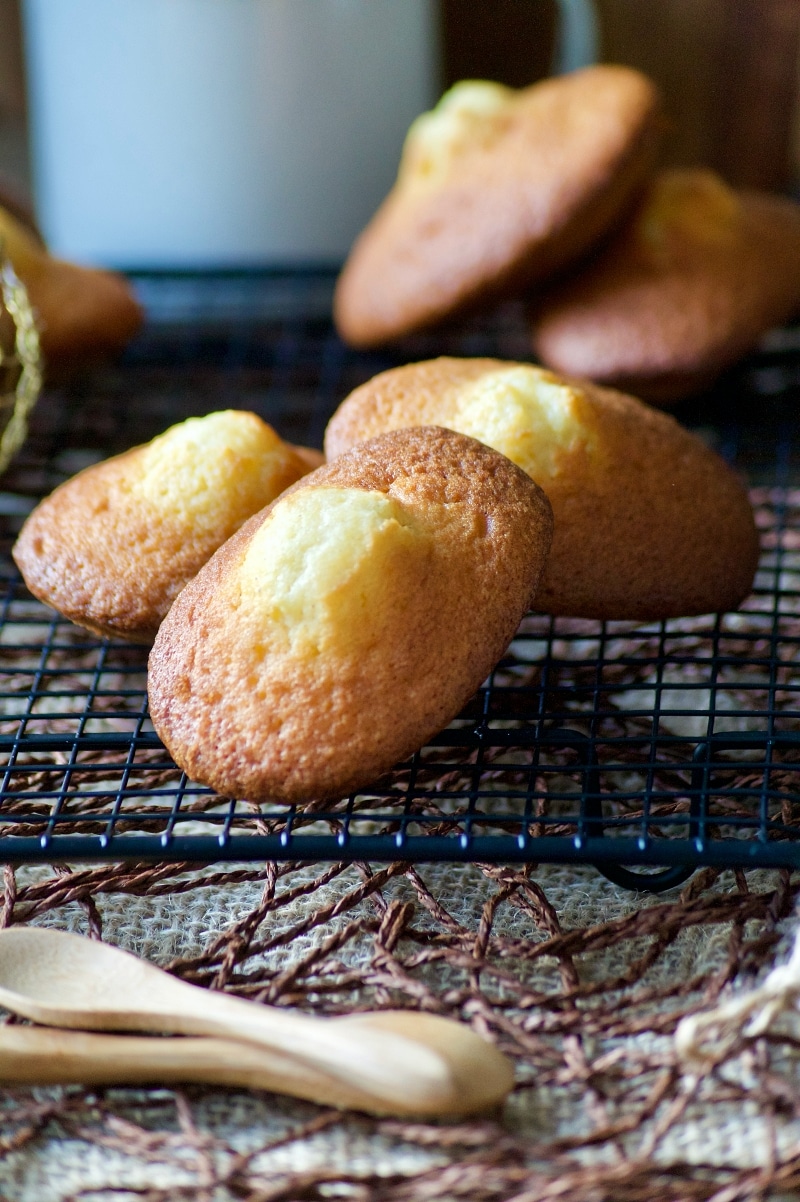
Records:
x=112, y=547
x=497, y=190
x=683, y=290
x=351, y=620
x=649, y=522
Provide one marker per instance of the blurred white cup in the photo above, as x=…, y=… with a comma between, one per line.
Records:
x=220, y=132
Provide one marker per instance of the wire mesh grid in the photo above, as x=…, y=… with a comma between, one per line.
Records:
x=635, y=747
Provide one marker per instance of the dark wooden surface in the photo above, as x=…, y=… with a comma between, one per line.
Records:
x=14, y=165
x=12, y=75
x=507, y=40
x=728, y=69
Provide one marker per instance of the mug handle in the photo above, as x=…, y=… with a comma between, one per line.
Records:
x=578, y=39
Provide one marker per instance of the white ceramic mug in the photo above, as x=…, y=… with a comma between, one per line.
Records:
x=202, y=133
x=220, y=132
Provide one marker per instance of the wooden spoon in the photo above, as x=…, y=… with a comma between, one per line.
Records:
x=40, y=1056
x=396, y=1062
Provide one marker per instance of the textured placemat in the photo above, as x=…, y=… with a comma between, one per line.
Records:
x=581, y=983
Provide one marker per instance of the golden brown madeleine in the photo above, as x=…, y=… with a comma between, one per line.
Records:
x=497, y=188
x=350, y=620
x=682, y=291
x=649, y=523
x=81, y=312
x=112, y=547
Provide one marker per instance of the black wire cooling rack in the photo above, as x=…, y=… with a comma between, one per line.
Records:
x=645, y=749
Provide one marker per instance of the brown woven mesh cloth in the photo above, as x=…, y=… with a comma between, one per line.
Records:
x=581, y=984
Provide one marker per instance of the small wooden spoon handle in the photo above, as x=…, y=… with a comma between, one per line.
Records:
x=404, y=1062
x=46, y=1056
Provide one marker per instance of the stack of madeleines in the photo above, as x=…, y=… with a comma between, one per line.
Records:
x=648, y=280
x=314, y=625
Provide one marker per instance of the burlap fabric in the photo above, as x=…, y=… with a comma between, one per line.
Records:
x=580, y=982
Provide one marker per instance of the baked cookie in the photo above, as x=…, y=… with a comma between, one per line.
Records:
x=349, y=621
x=497, y=188
x=81, y=312
x=682, y=291
x=649, y=523
x=112, y=547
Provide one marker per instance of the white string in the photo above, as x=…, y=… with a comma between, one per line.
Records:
x=707, y=1037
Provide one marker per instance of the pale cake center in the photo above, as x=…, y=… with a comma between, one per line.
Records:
x=210, y=470
x=525, y=413
x=693, y=204
x=328, y=569
x=465, y=117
